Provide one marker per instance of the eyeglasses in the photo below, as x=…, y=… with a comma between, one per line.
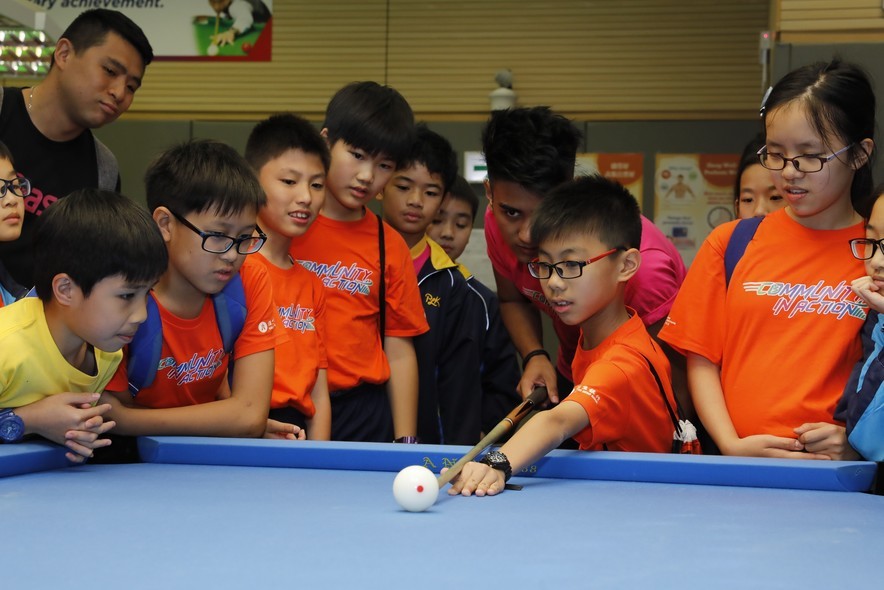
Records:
x=20, y=187
x=566, y=269
x=218, y=243
x=864, y=248
x=774, y=161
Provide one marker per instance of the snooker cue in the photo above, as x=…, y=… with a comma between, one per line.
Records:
x=514, y=417
x=217, y=19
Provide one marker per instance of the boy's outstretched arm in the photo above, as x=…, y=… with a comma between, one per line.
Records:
x=522, y=321
x=243, y=414
x=403, y=385
x=541, y=434
x=69, y=419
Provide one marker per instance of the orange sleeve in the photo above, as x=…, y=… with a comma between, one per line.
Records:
x=259, y=332
x=405, y=310
x=608, y=412
x=696, y=322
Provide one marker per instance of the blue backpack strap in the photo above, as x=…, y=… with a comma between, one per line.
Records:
x=743, y=234
x=230, y=314
x=145, y=349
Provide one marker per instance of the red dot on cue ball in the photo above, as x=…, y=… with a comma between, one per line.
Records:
x=420, y=489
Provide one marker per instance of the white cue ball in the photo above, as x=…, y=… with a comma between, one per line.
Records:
x=212, y=50
x=415, y=488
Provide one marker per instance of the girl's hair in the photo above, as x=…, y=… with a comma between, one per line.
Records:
x=840, y=103
x=748, y=158
x=5, y=153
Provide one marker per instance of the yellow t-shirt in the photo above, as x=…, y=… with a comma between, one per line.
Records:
x=32, y=367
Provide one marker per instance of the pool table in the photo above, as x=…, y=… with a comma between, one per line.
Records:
x=234, y=513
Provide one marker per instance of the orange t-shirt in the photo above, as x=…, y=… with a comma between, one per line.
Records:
x=299, y=298
x=192, y=362
x=786, y=331
x=345, y=256
x=620, y=395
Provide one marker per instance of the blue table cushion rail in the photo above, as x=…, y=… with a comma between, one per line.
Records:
x=851, y=476
x=848, y=476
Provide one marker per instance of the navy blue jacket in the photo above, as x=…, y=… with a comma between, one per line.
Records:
x=500, y=367
x=867, y=376
x=448, y=358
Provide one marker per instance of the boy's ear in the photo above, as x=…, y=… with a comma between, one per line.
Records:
x=487, y=184
x=163, y=218
x=65, y=291
x=629, y=263
x=865, y=153
x=324, y=134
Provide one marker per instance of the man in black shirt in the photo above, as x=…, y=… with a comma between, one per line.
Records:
x=98, y=65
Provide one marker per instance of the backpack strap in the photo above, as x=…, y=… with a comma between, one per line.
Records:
x=230, y=312
x=230, y=315
x=382, y=292
x=146, y=347
x=743, y=234
x=674, y=414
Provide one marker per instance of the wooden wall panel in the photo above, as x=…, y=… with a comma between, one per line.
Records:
x=829, y=21
x=592, y=60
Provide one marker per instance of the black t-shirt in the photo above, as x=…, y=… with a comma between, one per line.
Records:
x=54, y=168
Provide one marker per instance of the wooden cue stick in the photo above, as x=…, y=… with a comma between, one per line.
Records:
x=514, y=417
x=217, y=19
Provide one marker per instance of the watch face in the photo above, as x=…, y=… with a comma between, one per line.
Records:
x=497, y=458
x=11, y=427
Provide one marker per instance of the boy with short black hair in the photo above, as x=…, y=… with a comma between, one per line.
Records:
x=205, y=200
x=366, y=269
x=453, y=225
x=450, y=398
x=60, y=349
x=587, y=233
x=529, y=151
x=98, y=64
x=291, y=160
x=451, y=229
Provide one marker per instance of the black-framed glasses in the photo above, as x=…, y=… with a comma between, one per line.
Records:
x=864, y=248
x=566, y=269
x=20, y=187
x=803, y=163
x=218, y=243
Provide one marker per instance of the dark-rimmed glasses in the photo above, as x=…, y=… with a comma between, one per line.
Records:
x=864, y=248
x=218, y=243
x=803, y=163
x=20, y=187
x=566, y=269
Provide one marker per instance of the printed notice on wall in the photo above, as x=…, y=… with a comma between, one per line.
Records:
x=222, y=30
x=624, y=168
x=693, y=193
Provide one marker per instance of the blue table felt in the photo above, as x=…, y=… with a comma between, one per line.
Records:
x=220, y=513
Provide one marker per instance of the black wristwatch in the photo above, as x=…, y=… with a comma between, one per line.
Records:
x=12, y=427
x=497, y=460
